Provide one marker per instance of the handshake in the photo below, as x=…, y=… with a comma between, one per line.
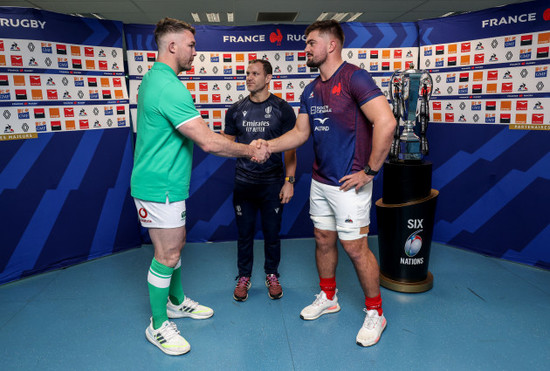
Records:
x=260, y=151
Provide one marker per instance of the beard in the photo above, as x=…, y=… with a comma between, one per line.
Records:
x=315, y=62
x=312, y=63
x=187, y=67
x=256, y=88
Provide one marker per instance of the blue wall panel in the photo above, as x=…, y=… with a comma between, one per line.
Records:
x=493, y=185
x=66, y=199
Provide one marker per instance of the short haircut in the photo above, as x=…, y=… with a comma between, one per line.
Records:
x=171, y=25
x=268, y=69
x=327, y=27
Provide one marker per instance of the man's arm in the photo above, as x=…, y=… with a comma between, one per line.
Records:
x=230, y=137
x=290, y=170
x=294, y=138
x=197, y=130
x=377, y=111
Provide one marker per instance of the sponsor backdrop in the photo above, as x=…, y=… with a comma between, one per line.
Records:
x=65, y=142
x=65, y=184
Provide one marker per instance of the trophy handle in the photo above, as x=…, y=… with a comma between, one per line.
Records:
x=395, y=95
x=395, y=98
x=394, y=149
x=424, y=118
x=426, y=93
x=391, y=85
x=431, y=83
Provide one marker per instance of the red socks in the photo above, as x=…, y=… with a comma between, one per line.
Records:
x=328, y=285
x=374, y=303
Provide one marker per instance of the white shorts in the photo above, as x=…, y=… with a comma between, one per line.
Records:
x=348, y=209
x=161, y=215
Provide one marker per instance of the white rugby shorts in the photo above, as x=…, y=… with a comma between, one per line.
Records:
x=161, y=215
x=349, y=209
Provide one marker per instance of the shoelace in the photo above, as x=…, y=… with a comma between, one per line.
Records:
x=243, y=281
x=319, y=300
x=169, y=331
x=272, y=280
x=371, y=319
x=190, y=303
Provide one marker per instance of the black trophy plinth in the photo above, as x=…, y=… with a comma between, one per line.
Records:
x=405, y=216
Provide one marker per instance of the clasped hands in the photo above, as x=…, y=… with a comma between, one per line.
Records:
x=261, y=151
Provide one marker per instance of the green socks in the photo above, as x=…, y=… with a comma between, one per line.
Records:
x=158, y=280
x=176, y=289
x=163, y=281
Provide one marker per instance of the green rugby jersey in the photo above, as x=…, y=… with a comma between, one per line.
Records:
x=163, y=156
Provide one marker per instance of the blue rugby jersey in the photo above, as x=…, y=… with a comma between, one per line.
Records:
x=342, y=135
x=248, y=120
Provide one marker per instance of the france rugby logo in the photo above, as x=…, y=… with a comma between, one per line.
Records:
x=413, y=244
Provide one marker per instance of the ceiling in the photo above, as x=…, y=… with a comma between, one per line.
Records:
x=246, y=11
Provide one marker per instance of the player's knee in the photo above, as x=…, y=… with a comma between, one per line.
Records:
x=324, y=223
x=352, y=233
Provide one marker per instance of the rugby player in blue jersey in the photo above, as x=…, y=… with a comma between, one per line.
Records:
x=352, y=127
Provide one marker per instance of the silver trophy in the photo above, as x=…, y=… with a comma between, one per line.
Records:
x=407, y=90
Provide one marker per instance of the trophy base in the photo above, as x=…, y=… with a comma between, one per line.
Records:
x=407, y=287
x=406, y=181
x=404, y=161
